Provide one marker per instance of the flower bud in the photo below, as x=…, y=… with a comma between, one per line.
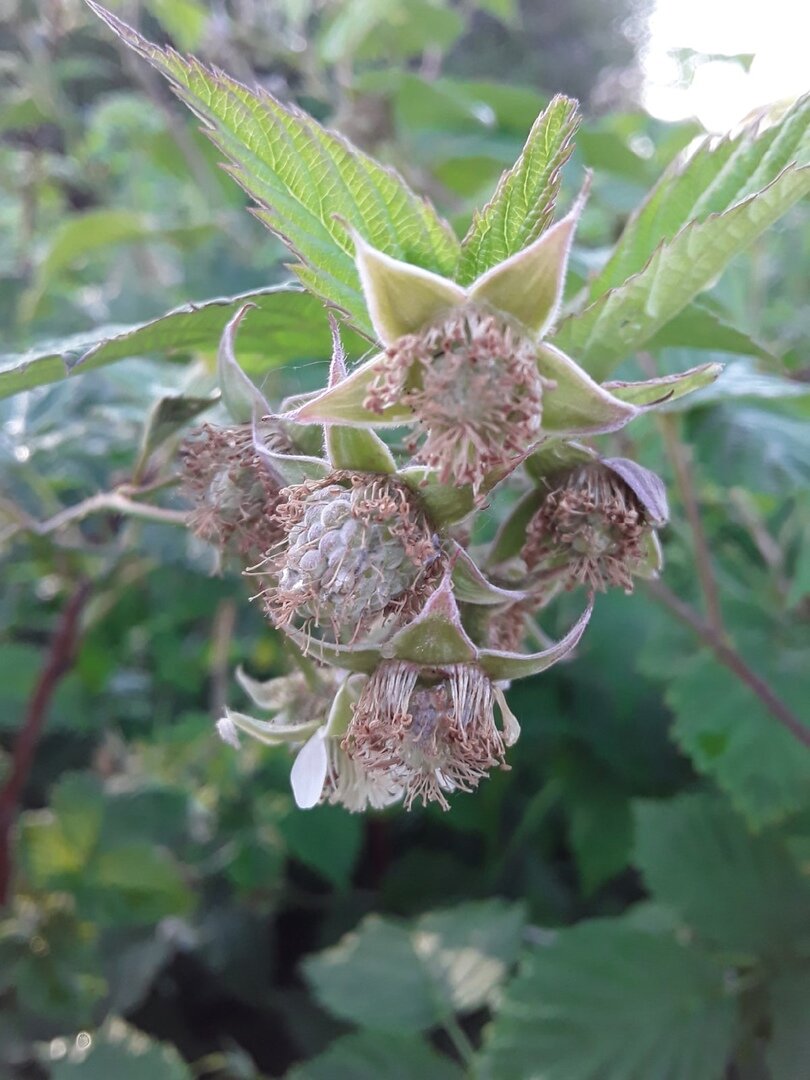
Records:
x=472, y=383
x=357, y=548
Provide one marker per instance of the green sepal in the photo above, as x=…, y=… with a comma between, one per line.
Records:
x=576, y=404
x=652, y=562
x=556, y=456
x=358, y=450
x=666, y=388
x=435, y=636
x=446, y=504
x=472, y=587
x=505, y=666
x=511, y=536
x=354, y=658
x=342, y=708
x=292, y=468
x=241, y=398
x=401, y=298
x=343, y=404
x=529, y=284
x=269, y=733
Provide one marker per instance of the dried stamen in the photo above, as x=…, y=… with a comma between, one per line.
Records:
x=234, y=495
x=432, y=731
x=592, y=528
x=475, y=391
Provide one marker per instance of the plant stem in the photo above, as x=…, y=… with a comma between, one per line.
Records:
x=114, y=501
x=459, y=1038
x=58, y=663
x=728, y=656
x=680, y=457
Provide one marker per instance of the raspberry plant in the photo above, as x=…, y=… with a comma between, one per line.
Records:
x=476, y=467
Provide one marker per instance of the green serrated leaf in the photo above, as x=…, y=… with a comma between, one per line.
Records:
x=710, y=180
x=607, y=1001
x=625, y=318
x=446, y=962
x=287, y=324
x=730, y=736
x=734, y=890
x=304, y=178
x=698, y=327
x=523, y=203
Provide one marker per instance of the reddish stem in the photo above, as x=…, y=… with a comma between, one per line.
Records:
x=60, y=658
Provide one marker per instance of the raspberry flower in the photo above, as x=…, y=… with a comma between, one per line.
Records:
x=432, y=730
x=311, y=716
x=597, y=525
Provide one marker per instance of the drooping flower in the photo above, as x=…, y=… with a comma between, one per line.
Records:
x=311, y=716
x=595, y=527
x=355, y=548
x=233, y=492
x=432, y=730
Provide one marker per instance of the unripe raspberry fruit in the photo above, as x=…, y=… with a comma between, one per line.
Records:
x=357, y=548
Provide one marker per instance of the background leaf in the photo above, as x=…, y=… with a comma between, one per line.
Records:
x=286, y=324
x=696, y=854
x=562, y=1014
x=371, y=1055
x=446, y=962
x=624, y=319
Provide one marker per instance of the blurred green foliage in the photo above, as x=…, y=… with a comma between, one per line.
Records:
x=643, y=867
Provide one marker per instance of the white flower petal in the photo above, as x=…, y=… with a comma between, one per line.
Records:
x=308, y=774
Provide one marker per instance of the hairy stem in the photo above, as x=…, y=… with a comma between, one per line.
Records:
x=730, y=658
x=58, y=662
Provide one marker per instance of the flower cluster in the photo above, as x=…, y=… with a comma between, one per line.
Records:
x=407, y=633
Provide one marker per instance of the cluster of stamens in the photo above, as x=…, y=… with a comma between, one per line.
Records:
x=234, y=494
x=591, y=528
x=472, y=383
x=430, y=730
x=356, y=548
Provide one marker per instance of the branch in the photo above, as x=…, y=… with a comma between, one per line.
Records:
x=59, y=661
x=115, y=501
x=728, y=656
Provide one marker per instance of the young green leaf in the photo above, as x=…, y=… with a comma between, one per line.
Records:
x=523, y=203
x=625, y=318
x=304, y=178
